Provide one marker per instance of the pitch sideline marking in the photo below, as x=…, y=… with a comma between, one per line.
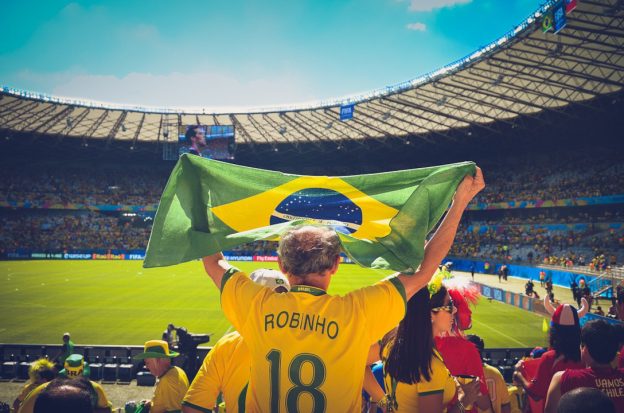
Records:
x=502, y=334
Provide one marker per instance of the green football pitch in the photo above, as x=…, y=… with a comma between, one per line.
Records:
x=119, y=302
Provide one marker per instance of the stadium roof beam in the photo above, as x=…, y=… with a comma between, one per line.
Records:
x=497, y=97
x=572, y=72
x=410, y=114
x=467, y=92
x=521, y=68
x=336, y=125
x=382, y=112
x=260, y=129
x=238, y=126
x=12, y=105
x=348, y=128
x=368, y=107
x=111, y=134
x=424, y=93
x=95, y=125
x=28, y=117
x=521, y=96
x=541, y=45
x=71, y=125
x=321, y=136
x=414, y=100
x=318, y=139
x=401, y=107
x=137, y=132
x=19, y=112
x=384, y=134
x=42, y=114
x=586, y=40
x=575, y=58
x=51, y=121
x=415, y=105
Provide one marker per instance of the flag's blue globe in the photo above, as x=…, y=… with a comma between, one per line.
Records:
x=321, y=205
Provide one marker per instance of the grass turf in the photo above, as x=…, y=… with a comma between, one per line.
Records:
x=119, y=302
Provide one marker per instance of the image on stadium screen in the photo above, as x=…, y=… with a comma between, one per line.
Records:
x=207, y=141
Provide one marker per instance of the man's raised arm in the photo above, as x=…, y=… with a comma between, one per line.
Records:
x=215, y=266
x=440, y=243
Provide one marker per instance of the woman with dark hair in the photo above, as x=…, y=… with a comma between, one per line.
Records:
x=416, y=378
x=564, y=352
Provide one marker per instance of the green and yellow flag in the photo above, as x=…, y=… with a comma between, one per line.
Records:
x=382, y=219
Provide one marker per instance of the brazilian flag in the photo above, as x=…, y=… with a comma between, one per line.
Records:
x=382, y=219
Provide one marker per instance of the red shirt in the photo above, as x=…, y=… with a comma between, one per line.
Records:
x=548, y=366
x=608, y=380
x=461, y=357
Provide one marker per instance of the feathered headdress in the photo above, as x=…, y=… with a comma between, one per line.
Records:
x=464, y=294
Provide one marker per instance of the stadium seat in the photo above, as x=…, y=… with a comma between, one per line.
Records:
x=145, y=378
x=22, y=370
x=95, y=354
x=110, y=372
x=11, y=353
x=96, y=371
x=124, y=373
x=9, y=369
x=34, y=353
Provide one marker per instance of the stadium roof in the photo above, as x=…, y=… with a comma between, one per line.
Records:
x=524, y=73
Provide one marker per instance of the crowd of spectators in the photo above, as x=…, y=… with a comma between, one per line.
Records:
x=496, y=235
x=553, y=178
x=531, y=244
x=58, y=232
x=549, y=178
x=111, y=185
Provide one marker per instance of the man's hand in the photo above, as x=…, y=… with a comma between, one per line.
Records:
x=215, y=266
x=440, y=243
x=469, y=187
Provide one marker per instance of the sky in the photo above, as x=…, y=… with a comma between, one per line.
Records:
x=233, y=54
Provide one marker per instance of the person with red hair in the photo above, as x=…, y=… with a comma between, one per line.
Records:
x=461, y=356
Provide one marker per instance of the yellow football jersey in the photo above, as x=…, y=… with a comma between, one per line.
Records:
x=406, y=395
x=224, y=370
x=170, y=390
x=496, y=386
x=308, y=349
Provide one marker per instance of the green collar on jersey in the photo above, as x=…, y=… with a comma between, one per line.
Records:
x=307, y=289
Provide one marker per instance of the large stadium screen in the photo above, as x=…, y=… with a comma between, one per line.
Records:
x=207, y=141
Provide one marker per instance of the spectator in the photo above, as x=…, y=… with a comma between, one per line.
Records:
x=565, y=354
x=585, y=399
x=39, y=372
x=73, y=369
x=309, y=257
x=169, y=335
x=172, y=382
x=416, y=377
x=459, y=355
x=225, y=369
x=599, y=346
x=66, y=350
x=66, y=395
x=497, y=388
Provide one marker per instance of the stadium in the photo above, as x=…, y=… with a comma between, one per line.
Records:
x=539, y=110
